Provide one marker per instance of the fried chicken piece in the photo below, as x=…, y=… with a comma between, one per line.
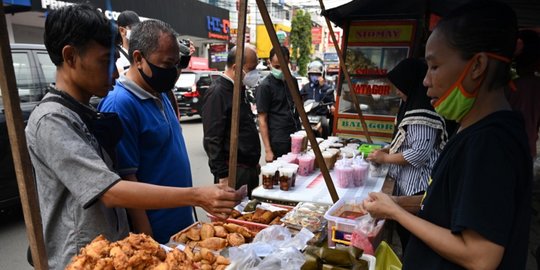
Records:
x=104, y=264
x=163, y=266
x=81, y=262
x=120, y=258
x=98, y=248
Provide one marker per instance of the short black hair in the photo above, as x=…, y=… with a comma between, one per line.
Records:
x=482, y=26
x=231, y=57
x=284, y=50
x=128, y=18
x=145, y=37
x=76, y=25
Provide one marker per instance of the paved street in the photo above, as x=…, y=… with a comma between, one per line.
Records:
x=13, y=241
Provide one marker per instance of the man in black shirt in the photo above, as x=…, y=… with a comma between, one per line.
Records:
x=278, y=117
x=216, y=117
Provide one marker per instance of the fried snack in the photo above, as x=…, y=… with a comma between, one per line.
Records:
x=235, y=213
x=97, y=248
x=120, y=257
x=222, y=260
x=266, y=217
x=235, y=239
x=220, y=231
x=276, y=221
x=245, y=232
x=192, y=244
x=257, y=214
x=208, y=255
x=140, y=252
x=207, y=231
x=194, y=233
x=231, y=227
x=218, y=223
x=213, y=243
x=189, y=253
x=181, y=238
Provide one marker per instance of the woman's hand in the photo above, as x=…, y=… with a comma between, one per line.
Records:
x=380, y=205
x=378, y=156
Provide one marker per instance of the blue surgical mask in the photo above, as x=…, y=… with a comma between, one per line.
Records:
x=251, y=78
x=314, y=79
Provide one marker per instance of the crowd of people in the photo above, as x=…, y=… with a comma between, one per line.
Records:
x=124, y=167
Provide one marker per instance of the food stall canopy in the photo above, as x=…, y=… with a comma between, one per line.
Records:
x=527, y=10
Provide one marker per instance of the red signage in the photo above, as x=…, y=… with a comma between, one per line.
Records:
x=372, y=89
x=198, y=63
x=316, y=35
x=338, y=38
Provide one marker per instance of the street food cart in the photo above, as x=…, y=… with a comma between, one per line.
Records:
x=377, y=35
x=376, y=38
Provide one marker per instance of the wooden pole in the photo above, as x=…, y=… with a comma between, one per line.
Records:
x=21, y=157
x=293, y=88
x=343, y=68
x=238, y=87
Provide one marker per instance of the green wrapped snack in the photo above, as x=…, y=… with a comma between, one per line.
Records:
x=333, y=267
x=251, y=205
x=337, y=257
x=355, y=252
x=360, y=265
x=312, y=262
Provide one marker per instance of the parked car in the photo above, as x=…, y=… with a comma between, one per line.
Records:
x=190, y=89
x=34, y=71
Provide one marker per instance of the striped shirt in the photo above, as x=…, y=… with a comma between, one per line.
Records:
x=421, y=149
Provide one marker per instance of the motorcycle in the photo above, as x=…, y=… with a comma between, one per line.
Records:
x=319, y=123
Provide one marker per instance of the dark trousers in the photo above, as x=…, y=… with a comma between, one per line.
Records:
x=280, y=148
x=245, y=175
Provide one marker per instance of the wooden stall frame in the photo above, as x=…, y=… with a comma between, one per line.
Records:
x=343, y=69
x=235, y=119
x=21, y=157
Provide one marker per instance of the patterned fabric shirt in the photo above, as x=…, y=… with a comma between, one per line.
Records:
x=421, y=149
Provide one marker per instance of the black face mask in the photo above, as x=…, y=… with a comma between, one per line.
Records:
x=162, y=79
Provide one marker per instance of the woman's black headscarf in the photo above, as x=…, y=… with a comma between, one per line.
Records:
x=408, y=77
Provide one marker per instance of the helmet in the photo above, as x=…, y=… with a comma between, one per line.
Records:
x=316, y=67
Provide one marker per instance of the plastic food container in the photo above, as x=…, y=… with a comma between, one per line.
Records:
x=341, y=222
x=306, y=215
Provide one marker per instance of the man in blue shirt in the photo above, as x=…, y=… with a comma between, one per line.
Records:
x=152, y=149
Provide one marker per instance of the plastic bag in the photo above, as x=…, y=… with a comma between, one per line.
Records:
x=281, y=251
x=386, y=258
x=365, y=228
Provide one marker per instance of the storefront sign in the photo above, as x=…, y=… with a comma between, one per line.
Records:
x=26, y=3
x=380, y=32
x=376, y=126
x=331, y=41
x=218, y=28
x=372, y=89
x=316, y=35
x=371, y=71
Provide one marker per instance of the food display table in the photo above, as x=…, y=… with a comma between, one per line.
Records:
x=312, y=188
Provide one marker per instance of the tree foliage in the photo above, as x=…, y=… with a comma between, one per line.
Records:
x=301, y=40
